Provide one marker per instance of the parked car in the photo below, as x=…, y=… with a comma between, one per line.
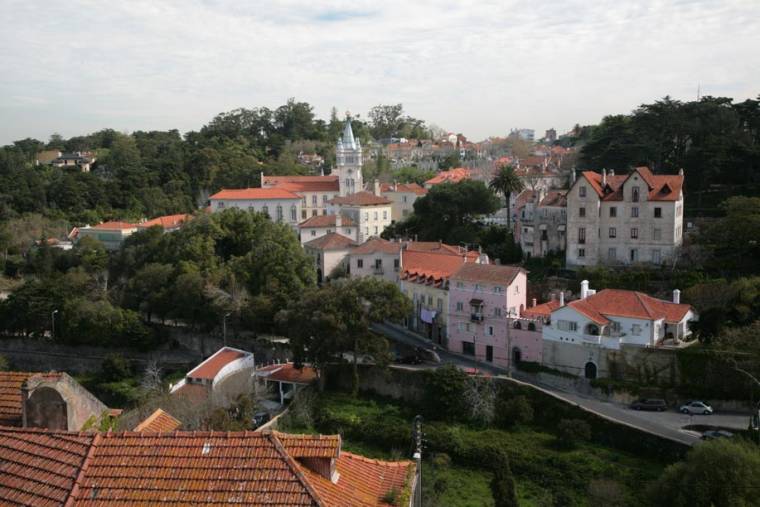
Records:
x=653, y=404
x=696, y=407
x=414, y=357
x=260, y=418
x=713, y=434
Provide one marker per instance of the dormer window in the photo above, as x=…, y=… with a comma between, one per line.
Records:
x=635, y=194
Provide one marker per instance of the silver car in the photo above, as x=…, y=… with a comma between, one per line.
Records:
x=696, y=407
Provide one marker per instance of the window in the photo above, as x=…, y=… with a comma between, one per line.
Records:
x=460, y=306
x=279, y=213
x=517, y=289
x=582, y=191
x=375, y=230
x=293, y=213
x=314, y=200
x=531, y=326
x=303, y=214
x=658, y=212
x=439, y=304
x=656, y=256
x=656, y=234
x=385, y=215
x=403, y=199
x=582, y=212
x=635, y=194
x=612, y=253
x=635, y=329
x=265, y=210
x=490, y=330
x=613, y=212
x=613, y=232
x=460, y=285
x=396, y=263
x=468, y=348
x=634, y=255
x=314, y=213
x=359, y=263
x=366, y=216
x=634, y=233
x=467, y=326
x=615, y=327
x=313, y=233
x=567, y=325
x=220, y=204
x=366, y=231
x=497, y=312
x=635, y=212
x=430, y=300
x=498, y=290
x=477, y=287
x=324, y=199
x=581, y=252
x=582, y=235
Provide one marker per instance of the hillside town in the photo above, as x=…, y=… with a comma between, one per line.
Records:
x=506, y=290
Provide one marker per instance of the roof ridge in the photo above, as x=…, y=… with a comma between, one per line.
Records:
x=72, y=497
x=291, y=462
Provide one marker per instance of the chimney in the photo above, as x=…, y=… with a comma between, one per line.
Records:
x=322, y=171
x=377, y=186
x=533, y=301
x=338, y=221
x=604, y=178
x=395, y=185
x=611, y=172
x=561, y=298
x=261, y=179
x=572, y=176
x=680, y=172
x=584, y=289
x=677, y=296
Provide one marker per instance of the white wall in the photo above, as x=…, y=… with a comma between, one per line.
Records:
x=291, y=208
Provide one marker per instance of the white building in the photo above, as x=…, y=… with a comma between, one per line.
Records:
x=320, y=225
x=279, y=204
x=541, y=222
x=402, y=197
x=376, y=257
x=314, y=191
x=370, y=211
x=330, y=255
x=624, y=219
x=579, y=333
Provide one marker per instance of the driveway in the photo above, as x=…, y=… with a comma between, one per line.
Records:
x=665, y=424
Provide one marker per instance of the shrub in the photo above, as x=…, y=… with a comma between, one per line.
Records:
x=514, y=411
x=572, y=431
x=606, y=492
x=502, y=484
x=4, y=363
x=391, y=496
x=445, y=393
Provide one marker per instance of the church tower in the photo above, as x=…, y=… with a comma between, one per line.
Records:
x=349, y=162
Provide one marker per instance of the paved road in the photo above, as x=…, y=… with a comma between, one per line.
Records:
x=666, y=424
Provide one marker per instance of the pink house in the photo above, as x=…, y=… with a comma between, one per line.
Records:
x=481, y=299
x=525, y=332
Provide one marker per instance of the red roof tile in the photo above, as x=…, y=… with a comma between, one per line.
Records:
x=167, y=221
x=451, y=176
x=542, y=310
x=374, y=245
x=491, y=273
x=287, y=372
x=209, y=368
x=412, y=188
x=662, y=187
x=426, y=267
x=303, y=183
x=331, y=241
x=10, y=396
x=115, y=226
x=252, y=194
x=158, y=422
x=310, y=446
x=362, y=198
x=325, y=221
x=628, y=303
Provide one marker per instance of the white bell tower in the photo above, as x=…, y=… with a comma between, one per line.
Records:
x=349, y=162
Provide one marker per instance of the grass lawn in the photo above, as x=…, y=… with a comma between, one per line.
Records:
x=545, y=473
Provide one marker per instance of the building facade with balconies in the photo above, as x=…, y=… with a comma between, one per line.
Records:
x=482, y=297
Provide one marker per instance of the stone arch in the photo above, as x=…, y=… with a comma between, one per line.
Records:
x=590, y=370
x=47, y=408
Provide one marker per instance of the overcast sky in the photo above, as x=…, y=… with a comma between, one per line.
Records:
x=479, y=68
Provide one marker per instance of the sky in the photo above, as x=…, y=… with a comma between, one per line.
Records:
x=475, y=67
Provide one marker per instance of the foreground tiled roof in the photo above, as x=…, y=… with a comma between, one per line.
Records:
x=209, y=368
x=661, y=187
x=303, y=183
x=158, y=422
x=628, y=303
x=325, y=221
x=429, y=267
x=10, y=396
x=542, y=310
x=362, y=198
x=374, y=245
x=252, y=194
x=49, y=468
x=491, y=273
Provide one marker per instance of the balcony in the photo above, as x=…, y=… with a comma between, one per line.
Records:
x=378, y=270
x=477, y=317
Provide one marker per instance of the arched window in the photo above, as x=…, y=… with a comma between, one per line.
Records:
x=517, y=325
x=531, y=326
x=279, y=213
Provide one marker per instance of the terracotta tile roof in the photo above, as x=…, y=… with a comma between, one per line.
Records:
x=451, y=176
x=556, y=198
x=40, y=467
x=303, y=183
x=331, y=241
x=10, y=396
x=627, y=303
x=114, y=226
x=413, y=188
x=363, y=482
x=662, y=187
x=287, y=372
x=209, y=368
x=437, y=246
x=374, y=245
x=167, y=221
x=362, y=198
x=196, y=393
x=430, y=267
x=492, y=273
x=252, y=194
x=524, y=198
x=158, y=422
x=49, y=468
x=325, y=221
x=542, y=310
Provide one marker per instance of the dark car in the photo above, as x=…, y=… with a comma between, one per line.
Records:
x=260, y=418
x=713, y=434
x=652, y=404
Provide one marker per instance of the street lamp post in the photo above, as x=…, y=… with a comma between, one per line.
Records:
x=52, y=324
x=224, y=328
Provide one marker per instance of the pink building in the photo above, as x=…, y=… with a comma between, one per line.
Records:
x=481, y=298
x=525, y=332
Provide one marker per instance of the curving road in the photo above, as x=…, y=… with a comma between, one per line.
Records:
x=665, y=424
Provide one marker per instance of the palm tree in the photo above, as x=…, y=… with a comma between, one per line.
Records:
x=506, y=181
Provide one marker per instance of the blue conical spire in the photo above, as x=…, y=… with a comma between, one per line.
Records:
x=348, y=140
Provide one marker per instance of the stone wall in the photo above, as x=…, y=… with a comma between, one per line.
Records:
x=60, y=402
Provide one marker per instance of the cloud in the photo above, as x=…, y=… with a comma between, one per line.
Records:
x=475, y=67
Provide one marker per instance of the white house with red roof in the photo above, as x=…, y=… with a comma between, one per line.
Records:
x=314, y=191
x=624, y=219
x=227, y=373
x=319, y=225
x=376, y=257
x=371, y=211
x=451, y=176
x=578, y=335
x=330, y=254
x=111, y=234
x=281, y=205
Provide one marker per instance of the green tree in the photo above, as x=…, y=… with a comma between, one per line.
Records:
x=720, y=473
x=413, y=175
x=445, y=392
x=513, y=410
x=502, y=484
x=506, y=182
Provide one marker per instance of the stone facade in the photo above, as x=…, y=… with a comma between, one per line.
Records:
x=58, y=402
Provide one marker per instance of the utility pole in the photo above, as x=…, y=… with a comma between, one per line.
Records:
x=224, y=328
x=52, y=324
x=417, y=437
